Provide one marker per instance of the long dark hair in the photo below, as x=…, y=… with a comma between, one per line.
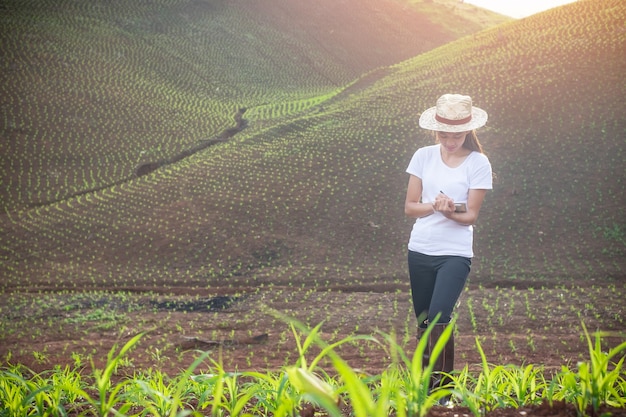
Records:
x=472, y=143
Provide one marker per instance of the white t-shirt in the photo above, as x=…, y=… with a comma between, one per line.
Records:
x=436, y=234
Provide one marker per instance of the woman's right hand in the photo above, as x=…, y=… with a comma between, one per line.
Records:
x=443, y=204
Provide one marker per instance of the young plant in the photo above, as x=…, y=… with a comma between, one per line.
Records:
x=110, y=399
x=420, y=398
x=15, y=392
x=482, y=393
x=273, y=394
x=596, y=382
x=523, y=386
x=221, y=392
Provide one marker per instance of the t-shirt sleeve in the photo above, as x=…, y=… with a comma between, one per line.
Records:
x=416, y=166
x=482, y=177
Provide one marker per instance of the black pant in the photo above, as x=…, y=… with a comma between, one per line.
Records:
x=436, y=284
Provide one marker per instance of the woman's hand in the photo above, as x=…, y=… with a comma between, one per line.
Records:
x=444, y=205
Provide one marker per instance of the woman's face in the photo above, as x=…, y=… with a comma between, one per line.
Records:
x=451, y=142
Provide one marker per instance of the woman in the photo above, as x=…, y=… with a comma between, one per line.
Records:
x=448, y=182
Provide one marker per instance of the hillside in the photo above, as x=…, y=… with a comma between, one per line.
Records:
x=302, y=210
x=316, y=193
x=89, y=92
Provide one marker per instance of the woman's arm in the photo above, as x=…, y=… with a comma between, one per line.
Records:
x=412, y=206
x=474, y=203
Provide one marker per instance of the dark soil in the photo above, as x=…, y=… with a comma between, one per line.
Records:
x=243, y=335
x=53, y=313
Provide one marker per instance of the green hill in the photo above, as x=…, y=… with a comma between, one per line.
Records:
x=312, y=190
x=90, y=91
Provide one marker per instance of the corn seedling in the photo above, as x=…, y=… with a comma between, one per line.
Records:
x=596, y=382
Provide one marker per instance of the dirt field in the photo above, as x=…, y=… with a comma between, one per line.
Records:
x=301, y=220
x=44, y=329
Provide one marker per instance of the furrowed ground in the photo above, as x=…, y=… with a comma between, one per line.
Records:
x=300, y=209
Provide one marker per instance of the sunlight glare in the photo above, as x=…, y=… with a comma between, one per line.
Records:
x=518, y=8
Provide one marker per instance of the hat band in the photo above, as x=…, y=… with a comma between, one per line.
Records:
x=452, y=122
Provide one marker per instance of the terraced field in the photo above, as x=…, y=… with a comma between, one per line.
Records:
x=300, y=209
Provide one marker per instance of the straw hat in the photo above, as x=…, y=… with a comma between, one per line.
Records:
x=453, y=113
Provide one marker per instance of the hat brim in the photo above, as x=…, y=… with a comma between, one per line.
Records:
x=428, y=121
